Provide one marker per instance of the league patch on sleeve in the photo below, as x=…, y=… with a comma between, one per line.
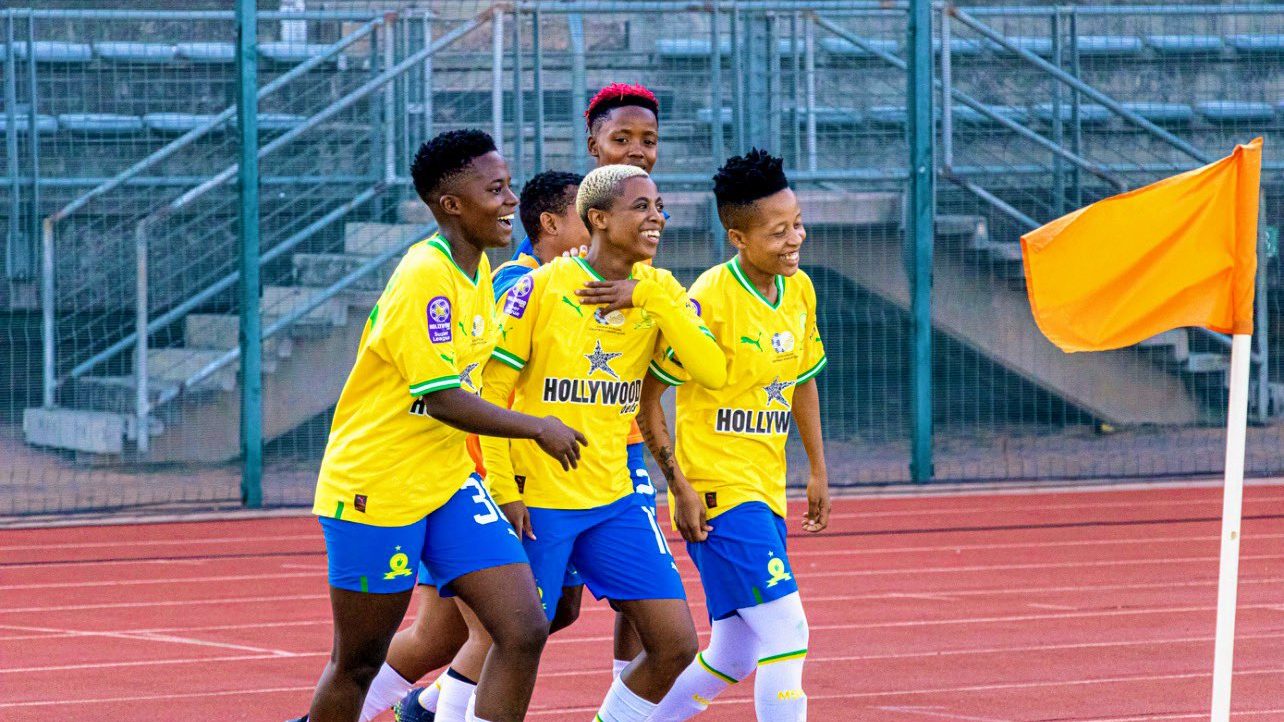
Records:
x=439, y=320
x=518, y=297
x=695, y=306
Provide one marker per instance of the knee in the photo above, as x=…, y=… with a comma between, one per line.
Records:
x=568, y=610
x=676, y=654
x=523, y=634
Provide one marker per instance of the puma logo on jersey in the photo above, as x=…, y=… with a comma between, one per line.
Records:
x=578, y=311
x=755, y=342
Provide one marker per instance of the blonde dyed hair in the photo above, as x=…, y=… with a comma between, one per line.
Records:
x=601, y=186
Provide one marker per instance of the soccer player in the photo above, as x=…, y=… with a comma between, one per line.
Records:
x=396, y=482
x=624, y=129
x=547, y=210
x=563, y=356
x=728, y=479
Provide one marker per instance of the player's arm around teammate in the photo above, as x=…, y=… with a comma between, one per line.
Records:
x=396, y=483
x=587, y=366
x=728, y=473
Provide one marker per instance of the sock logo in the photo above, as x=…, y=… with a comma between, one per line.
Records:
x=786, y=695
x=398, y=566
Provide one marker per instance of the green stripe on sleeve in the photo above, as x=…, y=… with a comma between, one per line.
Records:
x=814, y=370
x=437, y=384
x=508, y=359
x=663, y=375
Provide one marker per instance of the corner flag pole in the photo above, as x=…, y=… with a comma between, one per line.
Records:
x=1232, y=506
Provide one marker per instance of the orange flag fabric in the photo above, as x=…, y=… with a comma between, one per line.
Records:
x=1180, y=252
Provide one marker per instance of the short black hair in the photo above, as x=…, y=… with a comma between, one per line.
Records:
x=545, y=193
x=744, y=179
x=444, y=157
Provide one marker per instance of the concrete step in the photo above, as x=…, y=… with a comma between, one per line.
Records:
x=324, y=269
x=220, y=331
x=1207, y=362
x=1174, y=345
x=375, y=238
x=694, y=211
x=98, y=432
x=414, y=211
x=281, y=300
x=974, y=228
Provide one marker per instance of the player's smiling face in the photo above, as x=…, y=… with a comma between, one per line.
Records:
x=628, y=135
x=633, y=226
x=772, y=234
x=486, y=203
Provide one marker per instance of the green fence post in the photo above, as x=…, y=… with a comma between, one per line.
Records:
x=249, y=334
x=920, y=233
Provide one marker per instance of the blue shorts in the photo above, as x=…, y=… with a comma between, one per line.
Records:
x=645, y=492
x=743, y=563
x=465, y=535
x=618, y=549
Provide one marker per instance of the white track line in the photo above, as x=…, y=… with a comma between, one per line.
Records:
x=813, y=659
x=165, y=542
x=795, y=554
x=740, y=701
x=149, y=637
x=688, y=578
x=1239, y=714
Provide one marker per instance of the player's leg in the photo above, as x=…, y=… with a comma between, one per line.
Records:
x=731, y=656
x=437, y=633
x=627, y=643
x=744, y=569
x=781, y=628
x=568, y=605
x=472, y=552
x=459, y=681
x=624, y=557
x=370, y=589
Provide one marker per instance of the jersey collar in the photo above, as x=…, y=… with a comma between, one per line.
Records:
x=440, y=243
x=739, y=274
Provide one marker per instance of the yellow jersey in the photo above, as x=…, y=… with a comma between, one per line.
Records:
x=572, y=361
x=387, y=462
x=731, y=441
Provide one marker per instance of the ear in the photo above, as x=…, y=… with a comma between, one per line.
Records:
x=550, y=223
x=450, y=204
x=596, y=219
x=592, y=146
x=737, y=239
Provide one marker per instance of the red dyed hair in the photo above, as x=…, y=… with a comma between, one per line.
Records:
x=618, y=95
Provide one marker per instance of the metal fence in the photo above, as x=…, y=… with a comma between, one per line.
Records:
x=120, y=204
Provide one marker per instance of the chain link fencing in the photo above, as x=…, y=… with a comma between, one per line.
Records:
x=120, y=136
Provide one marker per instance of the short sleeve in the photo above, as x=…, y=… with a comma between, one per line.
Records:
x=814, y=359
x=664, y=364
x=516, y=317
x=412, y=328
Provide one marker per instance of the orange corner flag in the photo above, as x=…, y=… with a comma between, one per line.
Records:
x=1180, y=252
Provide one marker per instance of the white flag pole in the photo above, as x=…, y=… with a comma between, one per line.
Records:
x=1232, y=505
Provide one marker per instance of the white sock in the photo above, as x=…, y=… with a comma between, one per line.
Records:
x=782, y=628
x=622, y=705
x=386, y=690
x=617, y=666
x=428, y=698
x=452, y=706
x=731, y=656
x=472, y=714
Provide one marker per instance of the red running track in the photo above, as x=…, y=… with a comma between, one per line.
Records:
x=1083, y=605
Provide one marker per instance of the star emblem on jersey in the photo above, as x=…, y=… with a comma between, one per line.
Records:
x=776, y=391
x=601, y=360
x=466, y=376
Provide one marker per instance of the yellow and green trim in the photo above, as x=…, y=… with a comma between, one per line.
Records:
x=663, y=375
x=738, y=273
x=785, y=657
x=437, y=384
x=720, y=675
x=811, y=373
x=508, y=359
x=436, y=241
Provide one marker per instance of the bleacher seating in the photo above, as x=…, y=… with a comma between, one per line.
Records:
x=1235, y=111
x=207, y=52
x=1186, y=44
x=100, y=123
x=175, y=122
x=22, y=122
x=122, y=52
